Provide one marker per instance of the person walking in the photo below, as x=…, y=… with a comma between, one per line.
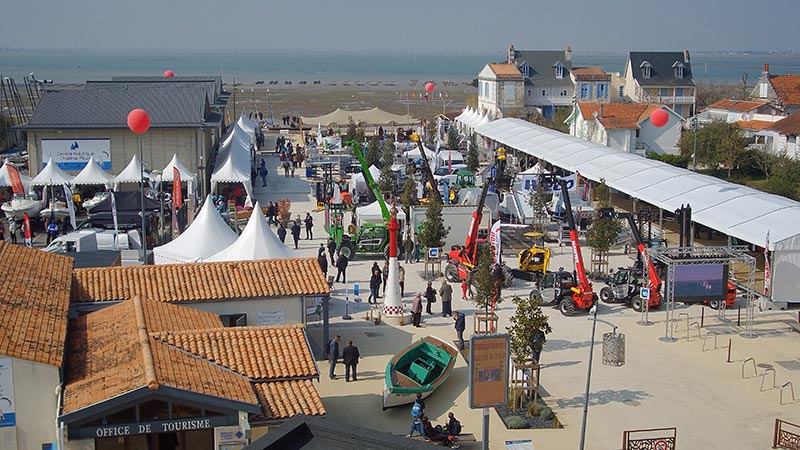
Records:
x=401, y=277
x=464, y=289
x=385, y=275
x=321, y=251
x=296, y=234
x=416, y=249
x=263, y=173
x=408, y=248
x=350, y=357
x=52, y=231
x=416, y=309
x=12, y=230
x=282, y=233
x=460, y=326
x=446, y=292
x=333, y=356
x=430, y=297
x=341, y=266
x=309, y=221
x=374, y=285
x=332, y=250
x=270, y=213
x=323, y=264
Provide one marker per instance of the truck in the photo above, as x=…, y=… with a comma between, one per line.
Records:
x=93, y=239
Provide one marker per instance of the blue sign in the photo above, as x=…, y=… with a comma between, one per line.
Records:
x=644, y=293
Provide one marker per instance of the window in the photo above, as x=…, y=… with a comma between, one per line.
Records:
x=622, y=92
x=679, y=72
x=585, y=90
x=233, y=320
x=559, y=70
x=525, y=69
x=481, y=88
x=602, y=90
x=645, y=66
x=544, y=93
x=529, y=92
x=637, y=132
x=563, y=92
x=664, y=92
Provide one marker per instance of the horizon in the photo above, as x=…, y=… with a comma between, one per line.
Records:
x=397, y=50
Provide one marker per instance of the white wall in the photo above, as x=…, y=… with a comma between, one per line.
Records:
x=663, y=140
x=35, y=404
x=620, y=140
x=292, y=306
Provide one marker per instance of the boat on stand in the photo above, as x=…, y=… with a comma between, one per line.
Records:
x=419, y=368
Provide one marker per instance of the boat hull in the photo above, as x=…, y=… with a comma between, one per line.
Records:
x=420, y=368
x=17, y=207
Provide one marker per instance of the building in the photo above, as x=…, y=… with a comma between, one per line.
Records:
x=782, y=138
x=664, y=78
x=782, y=91
x=71, y=125
x=592, y=84
x=261, y=292
x=750, y=116
x=626, y=127
x=146, y=374
x=547, y=80
x=34, y=288
x=500, y=91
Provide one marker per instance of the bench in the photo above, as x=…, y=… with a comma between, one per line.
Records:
x=463, y=437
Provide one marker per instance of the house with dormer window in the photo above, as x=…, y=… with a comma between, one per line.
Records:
x=782, y=91
x=592, y=84
x=500, y=91
x=546, y=74
x=661, y=77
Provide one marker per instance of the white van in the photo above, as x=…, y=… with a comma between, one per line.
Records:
x=94, y=239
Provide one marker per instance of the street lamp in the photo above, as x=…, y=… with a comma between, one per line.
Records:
x=160, y=175
x=139, y=123
x=613, y=355
x=694, y=145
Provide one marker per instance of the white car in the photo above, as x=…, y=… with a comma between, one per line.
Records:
x=444, y=171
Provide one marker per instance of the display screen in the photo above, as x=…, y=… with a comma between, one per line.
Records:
x=700, y=282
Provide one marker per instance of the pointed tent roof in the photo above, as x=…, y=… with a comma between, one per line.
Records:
x=5, y=178
x=186, y=175
x=360, y=183
x=92, y=174
x=256, y=242
x=132, y=173
x=458, y=117
x=372, y=213
x=51, y=174
x=374, y=116
x=247, y=125
x=206, y=236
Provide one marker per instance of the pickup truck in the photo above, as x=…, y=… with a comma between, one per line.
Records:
x=93, y=239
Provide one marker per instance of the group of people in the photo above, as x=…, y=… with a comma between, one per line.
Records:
x=292, y=157
x=445, y=291
x=447, y=434
x=349, y=356
x=294, y=226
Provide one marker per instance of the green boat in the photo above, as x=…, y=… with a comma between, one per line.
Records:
x=419, y=368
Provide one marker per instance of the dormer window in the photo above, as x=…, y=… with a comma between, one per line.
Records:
x=645, y=66
x=525, y=69
x=559, y=70
x=678, y=68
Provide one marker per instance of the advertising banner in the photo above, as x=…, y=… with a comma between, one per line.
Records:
x=7, y=408
x=73, y=154
x=488, y=367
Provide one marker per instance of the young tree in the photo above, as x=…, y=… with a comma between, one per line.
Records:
x=433, y=231
x=387, y=180
x=430, y=133
x=452, y=137
x=409, y=195
x=527, y=322
x=483, y=286
x=472, y=155
x=354, y=132
x=284, y=211
x=604, y=231
x=373, y=152
x=718, y=144
x=538, y=201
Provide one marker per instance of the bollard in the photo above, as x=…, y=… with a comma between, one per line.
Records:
x=729, y=349
x=739, y=317
x=702, y=316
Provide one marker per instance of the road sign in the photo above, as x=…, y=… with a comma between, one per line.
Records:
x=644, y=293
x=660, y=444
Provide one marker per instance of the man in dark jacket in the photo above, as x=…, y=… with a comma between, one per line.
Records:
x=350, y=357
x=309, y=221
x=296, y=234
x=332, y=249
x=333, y=356
x=341, y=266
x=282, y=233
x=323, y=264
x=430, y=297
x=460, y=325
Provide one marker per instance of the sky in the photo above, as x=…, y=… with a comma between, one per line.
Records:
x=467, y=25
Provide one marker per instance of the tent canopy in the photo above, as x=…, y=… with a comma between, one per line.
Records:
x=132, y=173
x=257, y=241
x=247, y=125
x=51, y=174
x=374, y=116
x=5, y=178
x=233, y=161
x=92, y=174
x=206, y=236
x=359, y=181
x=372, y=214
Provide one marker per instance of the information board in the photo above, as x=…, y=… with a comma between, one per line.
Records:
x=488, y=365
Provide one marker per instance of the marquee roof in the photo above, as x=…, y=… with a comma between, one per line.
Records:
x=257, y=241
x=132, y=173
x=92, y=174
x=51, y=174
x=736, y=210
x=206, y=236
x=374, y=116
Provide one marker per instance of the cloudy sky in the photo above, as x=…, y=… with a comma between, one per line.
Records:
x=588, y=25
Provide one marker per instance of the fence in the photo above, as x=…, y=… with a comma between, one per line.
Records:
x=786, y=435
x=649, y=439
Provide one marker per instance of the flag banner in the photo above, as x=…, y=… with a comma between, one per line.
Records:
x=177, y=189
x=494, y=241
x=26, y=230
x=114, y=211
x=767, y=269
x=16, y=181
x=70, y=206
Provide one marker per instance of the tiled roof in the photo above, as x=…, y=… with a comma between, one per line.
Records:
x=787, y=87
x=736, y=105
x=284, y=399
x=505, y=71
x=201, y=281
x=618, y=115
x=590, y=74
x=34, y=303
x=755, y=124
x=789, y=126
x=111, y=353
x=661, y=70
x=259, y=353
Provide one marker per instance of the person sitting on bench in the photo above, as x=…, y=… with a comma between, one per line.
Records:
x=435, y=434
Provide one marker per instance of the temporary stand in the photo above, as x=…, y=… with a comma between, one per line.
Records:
x=681, y=256
x=346, y=315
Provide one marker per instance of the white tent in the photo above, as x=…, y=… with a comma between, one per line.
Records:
x=374, y=116
x=372, y=214
x=256, y=242
x=206, y=236
x=233, y=161
x=484, y=120
x=414, y=153
x=360, y=183
x=186, y=174
x=132, y=173
x=237, y=134
x=51, y=174
x=5, y=178
x=460, y=116
x=92, y=174
x=454, y=156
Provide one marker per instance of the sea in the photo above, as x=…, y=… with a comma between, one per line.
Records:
x=400, y=66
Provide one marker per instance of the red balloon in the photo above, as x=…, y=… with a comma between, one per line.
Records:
x=138, y=121
x=659, y=118
x=169, y=74
x=429, y=86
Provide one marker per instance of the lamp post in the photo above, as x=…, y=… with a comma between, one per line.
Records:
x=694, y=145
x=160, y=175
x=139, y=123
x=613, y=355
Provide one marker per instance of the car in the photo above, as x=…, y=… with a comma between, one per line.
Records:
x=444, y=171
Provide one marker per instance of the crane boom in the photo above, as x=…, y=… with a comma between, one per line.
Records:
x=652, y=273
x=470, y=243
x=577, y=257
x=428, y=172
x=373, y=186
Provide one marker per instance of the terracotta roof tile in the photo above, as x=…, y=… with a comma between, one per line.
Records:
x=788, y=126
x=258, y=353
x=755, y=124
x=284, y=399
x=590, y=74
x=736, y=105
x=505, y=71
x=787, y=87
x=618, y=115
x=34, y=303
x=201, y=281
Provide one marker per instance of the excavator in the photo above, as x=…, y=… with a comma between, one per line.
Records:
x=627, y=281
x=571, y=291
x=535, y=260
x=462, y=259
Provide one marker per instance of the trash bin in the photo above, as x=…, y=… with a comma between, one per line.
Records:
x=309, y=172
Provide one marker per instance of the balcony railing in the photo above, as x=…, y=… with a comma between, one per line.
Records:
x=669, y=99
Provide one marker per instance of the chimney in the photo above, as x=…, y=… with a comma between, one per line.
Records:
x=512, y=55
x=601, y=110
x=763, y=83
x=568, y=54
x=766, y=70
x=686, y=56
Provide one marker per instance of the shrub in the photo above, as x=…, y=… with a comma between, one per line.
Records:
x=516, y=422
x=546, y=413
x=533, y=409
